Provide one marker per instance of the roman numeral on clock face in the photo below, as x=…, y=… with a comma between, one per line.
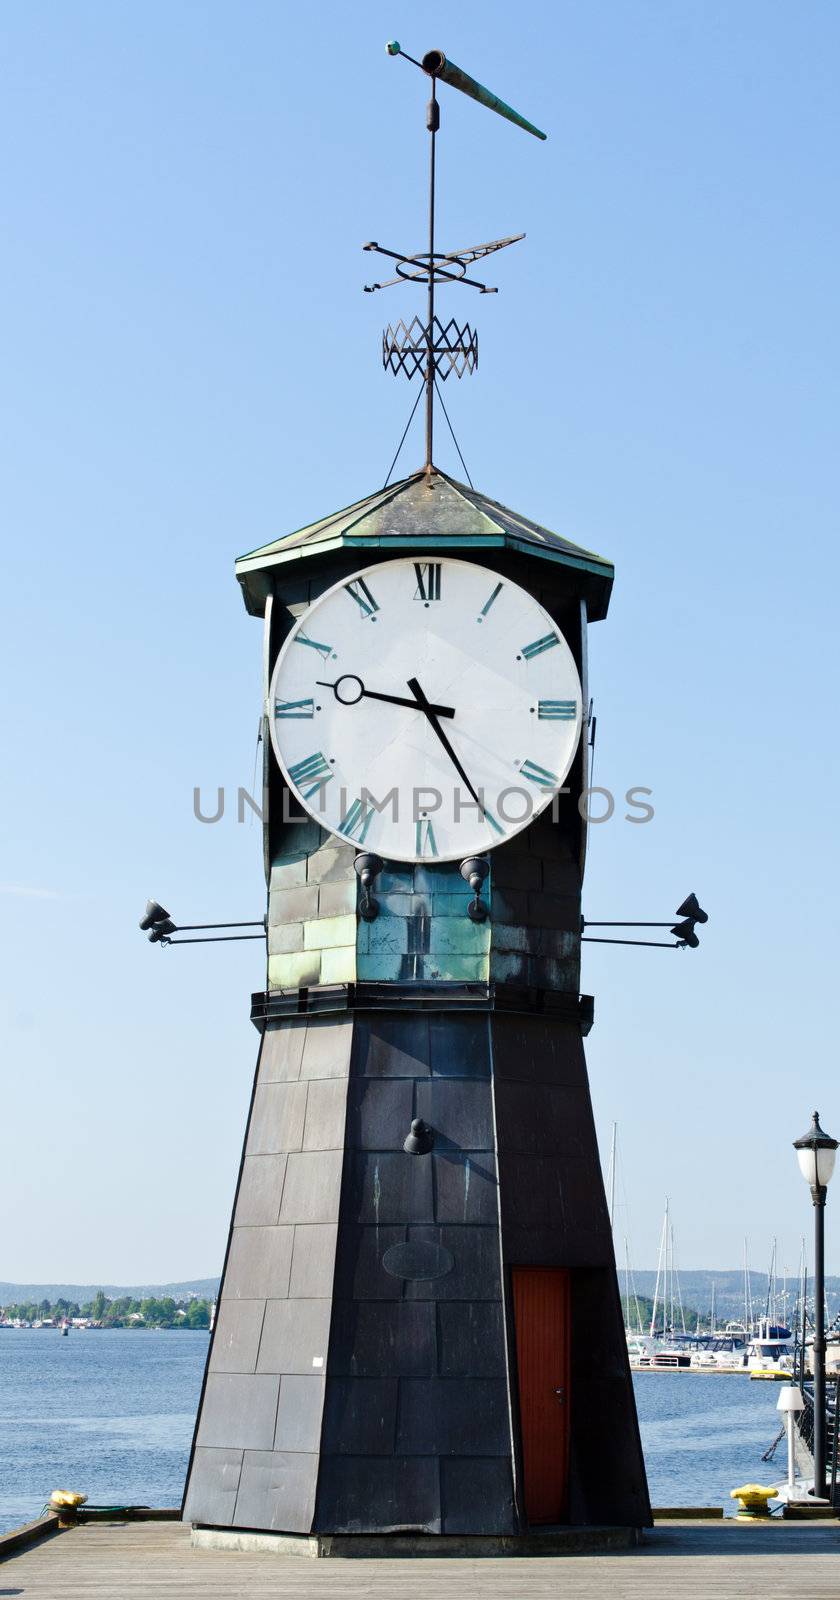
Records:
x=539, y=775
x=356, y=821
x=496, y=826
x=428, y=580
x=488, y=603
x=547, y=642
x=294, y=708
x=359, y=591
x=324, y=650
x=425, y=843
x=557, y=710
x=311, y=773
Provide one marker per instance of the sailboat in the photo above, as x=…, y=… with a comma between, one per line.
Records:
x=677, y=1349
x=771, y=1348
x=639, y=1344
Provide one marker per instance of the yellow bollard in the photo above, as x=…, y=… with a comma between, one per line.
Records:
x=753, y=1498
x=65, y=1503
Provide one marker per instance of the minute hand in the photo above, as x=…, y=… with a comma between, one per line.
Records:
x=424, y=705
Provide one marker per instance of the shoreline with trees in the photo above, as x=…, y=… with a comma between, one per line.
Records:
x=192, y=1311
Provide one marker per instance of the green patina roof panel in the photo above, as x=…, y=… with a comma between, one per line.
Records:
x=417, y=512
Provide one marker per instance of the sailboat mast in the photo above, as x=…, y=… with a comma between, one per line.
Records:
x=770, y=1302
x=612, y=1176
x=748, y=1309
x=675, y=1282
x=661, y=1260
x=669, y=1252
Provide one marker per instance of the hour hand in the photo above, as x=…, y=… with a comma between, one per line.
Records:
x=349, y=690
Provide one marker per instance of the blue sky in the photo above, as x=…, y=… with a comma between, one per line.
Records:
x=191, y=369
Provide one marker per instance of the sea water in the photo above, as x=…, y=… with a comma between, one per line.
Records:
x=107, y=1412
x=110, y=1413
x=703, y=1436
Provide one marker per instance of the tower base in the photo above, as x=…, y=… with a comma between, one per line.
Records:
x=563, y=1541
x=419, y=1346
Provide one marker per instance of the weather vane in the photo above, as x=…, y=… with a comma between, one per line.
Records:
x=432, y=348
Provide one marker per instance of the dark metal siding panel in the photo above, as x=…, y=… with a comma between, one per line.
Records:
x=213, y=1486
x=416, y=1369
x=471, y=1338
x=276, y=1491
x=392, y=1339
x=453, y=1417
x=238, y=1331
x=360, y=1417
x=477, y=1495
x=264, y=1392
x=378, y=1494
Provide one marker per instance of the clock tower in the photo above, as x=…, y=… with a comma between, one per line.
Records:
x=425, y=1340
x=419, y=1334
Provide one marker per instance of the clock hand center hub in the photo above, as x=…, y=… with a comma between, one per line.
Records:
x=344, y=688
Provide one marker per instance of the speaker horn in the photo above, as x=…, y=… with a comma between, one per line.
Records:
x=153, y=913
x=684, y=931
x=161, y=929
x=692, y=908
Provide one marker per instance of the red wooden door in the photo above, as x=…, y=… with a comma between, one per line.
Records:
x=541, y=1318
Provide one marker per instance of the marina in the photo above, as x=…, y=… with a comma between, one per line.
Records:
x=762, y=1346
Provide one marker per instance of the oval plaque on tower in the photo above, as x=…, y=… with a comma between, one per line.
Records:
x=418, y=1260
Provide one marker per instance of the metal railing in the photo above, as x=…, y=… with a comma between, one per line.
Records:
x=805, y=1426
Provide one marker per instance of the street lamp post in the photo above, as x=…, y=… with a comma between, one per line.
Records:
x=816, y=1152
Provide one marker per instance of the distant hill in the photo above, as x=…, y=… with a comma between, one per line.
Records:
x=80, y=1293
x=696, y=1291
x=729, y=1291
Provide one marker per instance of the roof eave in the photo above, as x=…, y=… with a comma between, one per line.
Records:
x=250, y=569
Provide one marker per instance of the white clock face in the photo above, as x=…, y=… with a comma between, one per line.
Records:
x=425, y=710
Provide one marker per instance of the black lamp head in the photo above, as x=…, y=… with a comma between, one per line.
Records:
x=474, y=871
x=692, y=908
x=684, y=932
x=367, y=867
x=816, y=1138
x=153, y=913
x=421, y=1139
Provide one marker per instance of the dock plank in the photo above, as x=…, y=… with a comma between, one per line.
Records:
x=154, y=1561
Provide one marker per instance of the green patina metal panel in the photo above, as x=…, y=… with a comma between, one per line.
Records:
x=423, y=932
x=312, y=898
x=410, y=942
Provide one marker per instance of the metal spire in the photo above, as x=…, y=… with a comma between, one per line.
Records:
x=432, y=348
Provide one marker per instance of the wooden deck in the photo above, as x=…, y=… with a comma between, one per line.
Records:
x=154, y=1561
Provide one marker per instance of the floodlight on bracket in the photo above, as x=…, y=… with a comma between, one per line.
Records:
x=685, y=934
x=158, y=924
